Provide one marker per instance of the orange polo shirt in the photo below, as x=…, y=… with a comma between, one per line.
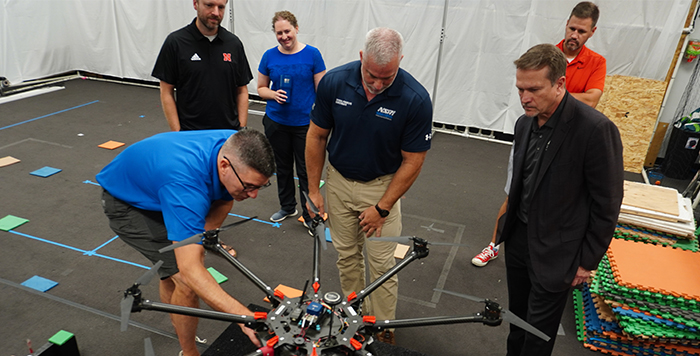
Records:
x=586, y=71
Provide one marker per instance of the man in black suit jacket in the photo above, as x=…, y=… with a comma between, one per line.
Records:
x=564, y=200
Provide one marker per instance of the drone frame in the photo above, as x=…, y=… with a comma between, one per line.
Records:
x=280, y=329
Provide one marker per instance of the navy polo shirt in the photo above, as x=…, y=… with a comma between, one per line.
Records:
x=367, y=137
x=206, y=74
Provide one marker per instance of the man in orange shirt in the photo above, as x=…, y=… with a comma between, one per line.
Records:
x=585, y=73
x=585, y=79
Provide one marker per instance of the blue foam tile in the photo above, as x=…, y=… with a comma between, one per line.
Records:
x=39, y=283
x=45, y=172
x=328, y=235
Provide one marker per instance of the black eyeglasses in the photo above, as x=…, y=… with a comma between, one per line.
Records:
x=246, y=187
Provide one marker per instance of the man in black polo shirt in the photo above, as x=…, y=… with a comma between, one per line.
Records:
x=209, y=68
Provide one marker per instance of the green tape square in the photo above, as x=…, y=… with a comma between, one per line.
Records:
x=61, y=337
x=220, y=278
x=10, y=222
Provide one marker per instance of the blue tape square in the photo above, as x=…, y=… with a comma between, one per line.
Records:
x=328, y=235
x=39, y=283
x=45, y=172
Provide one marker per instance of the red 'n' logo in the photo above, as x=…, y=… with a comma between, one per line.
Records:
x=227, y=57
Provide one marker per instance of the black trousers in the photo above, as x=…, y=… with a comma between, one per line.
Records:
x=288, y=144
x=529, y=300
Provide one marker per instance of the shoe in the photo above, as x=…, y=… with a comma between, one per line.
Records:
x=386, y=337
x=307, y=225
x=486, y=255
x=281, y=215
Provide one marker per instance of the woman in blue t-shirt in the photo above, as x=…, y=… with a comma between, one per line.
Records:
x=294, y=69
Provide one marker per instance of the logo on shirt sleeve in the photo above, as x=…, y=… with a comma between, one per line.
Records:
x=227, y=57
x=385, y=113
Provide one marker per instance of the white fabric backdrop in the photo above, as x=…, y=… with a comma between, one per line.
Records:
x=475, y=85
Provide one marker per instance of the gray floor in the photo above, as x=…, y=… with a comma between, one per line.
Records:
x=67, y=239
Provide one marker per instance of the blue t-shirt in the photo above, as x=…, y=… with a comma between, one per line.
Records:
x=367, y=138
x=301, y=68
x=174, y=173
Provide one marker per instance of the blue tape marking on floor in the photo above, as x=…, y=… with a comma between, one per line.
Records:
x=79, y=250
x=47, y=241
x=91, y=182
x=122, y=261
x=39, y=283
x=90, y=253
x=55, y=113
x=258, y=220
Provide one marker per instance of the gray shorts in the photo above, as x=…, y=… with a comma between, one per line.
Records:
x=141, y=229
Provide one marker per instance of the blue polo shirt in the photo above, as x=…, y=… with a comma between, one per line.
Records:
x=367, y=137
x=174, y=173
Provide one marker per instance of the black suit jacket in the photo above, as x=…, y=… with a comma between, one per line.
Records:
x=577, y=195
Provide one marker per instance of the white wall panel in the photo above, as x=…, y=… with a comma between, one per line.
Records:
x=475, y=85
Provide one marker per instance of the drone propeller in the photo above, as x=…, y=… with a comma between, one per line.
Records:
x=506, y=315
x=319, y=226
x=198, y=237
x=148, y=347
x=409, y=239
x=128, y=301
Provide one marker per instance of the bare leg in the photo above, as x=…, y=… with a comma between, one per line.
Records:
x=185, y=326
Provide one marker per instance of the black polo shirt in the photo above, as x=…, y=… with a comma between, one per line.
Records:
x=206, y=75
x=537, y=145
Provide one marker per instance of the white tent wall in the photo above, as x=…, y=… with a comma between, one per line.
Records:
x=475, y=84
x=338, y=28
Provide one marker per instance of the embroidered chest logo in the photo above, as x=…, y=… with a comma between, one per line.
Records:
x=342, y=102
x=195, y=57
x=385, y=113
x=227, y=57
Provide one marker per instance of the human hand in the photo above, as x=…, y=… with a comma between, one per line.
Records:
x=582, y=275
x=371, y=222
x=317, y=199
x=251, y=335
x=281, y=96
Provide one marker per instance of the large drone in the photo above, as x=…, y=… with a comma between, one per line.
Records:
x=316, y=323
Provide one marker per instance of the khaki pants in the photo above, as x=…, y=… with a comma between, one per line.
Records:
x=347, y=199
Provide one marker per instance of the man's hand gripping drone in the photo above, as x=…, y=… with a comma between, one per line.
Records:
x=318, y=323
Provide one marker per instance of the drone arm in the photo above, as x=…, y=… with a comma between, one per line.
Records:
x=383, y=278
x=269, y=292
x=193, y=275
x=439, y=320
x=196, y=312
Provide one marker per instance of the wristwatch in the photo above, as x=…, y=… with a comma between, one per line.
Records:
x=383, y=213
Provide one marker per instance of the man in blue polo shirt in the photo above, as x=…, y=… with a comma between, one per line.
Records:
x=177, y=184
x=208, y=67
x=380, y=118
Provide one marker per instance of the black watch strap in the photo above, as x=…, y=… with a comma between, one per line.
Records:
x=383, y=213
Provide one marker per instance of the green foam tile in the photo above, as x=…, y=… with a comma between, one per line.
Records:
x=220, y=278
x=61, y=337
x=10, y=222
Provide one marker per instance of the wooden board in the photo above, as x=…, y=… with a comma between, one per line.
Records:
x=633, y=104
x=651, y=197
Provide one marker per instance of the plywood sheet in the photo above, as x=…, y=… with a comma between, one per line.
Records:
x=651, y=197
x=633, y=104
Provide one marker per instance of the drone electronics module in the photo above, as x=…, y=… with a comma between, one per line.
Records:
x=318, y=323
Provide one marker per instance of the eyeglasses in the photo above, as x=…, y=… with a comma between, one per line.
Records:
x=246, y=187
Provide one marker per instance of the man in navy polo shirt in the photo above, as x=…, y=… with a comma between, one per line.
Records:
x=208, y=67
x=380, y=118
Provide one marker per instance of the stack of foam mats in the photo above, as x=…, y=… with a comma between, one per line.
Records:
x=644, y=299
